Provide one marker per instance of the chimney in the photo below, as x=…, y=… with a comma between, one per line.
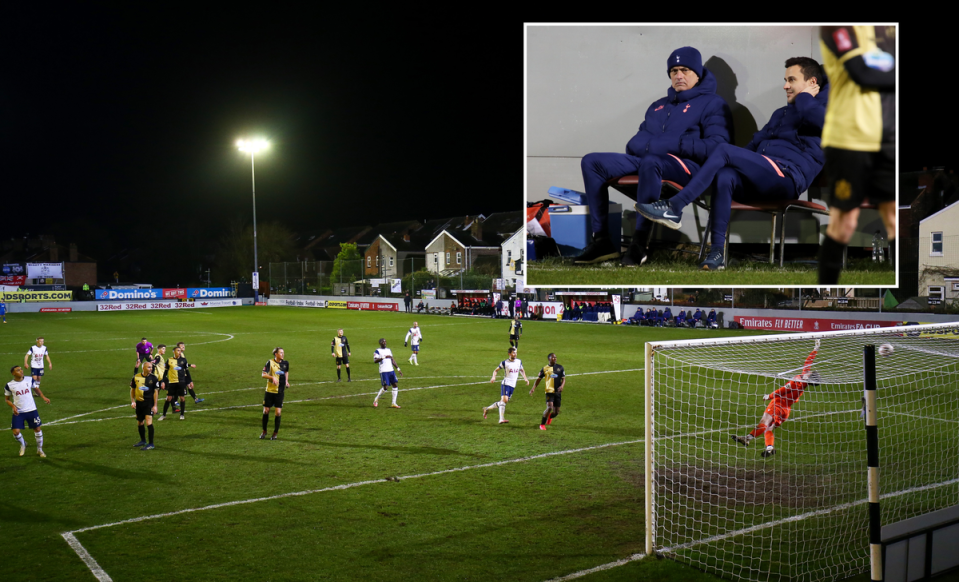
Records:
x=73, y=252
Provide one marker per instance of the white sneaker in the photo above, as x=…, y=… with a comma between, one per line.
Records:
x=23, y=449
x=41, y=453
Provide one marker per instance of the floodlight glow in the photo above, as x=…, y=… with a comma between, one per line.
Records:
x=252, y=146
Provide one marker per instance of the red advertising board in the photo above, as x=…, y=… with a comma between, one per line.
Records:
x=13, y=280
x=371, y=306
x=807, y=324
x=173, y=293
x=56, y=309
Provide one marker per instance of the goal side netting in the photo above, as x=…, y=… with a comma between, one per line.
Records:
x=801, y=511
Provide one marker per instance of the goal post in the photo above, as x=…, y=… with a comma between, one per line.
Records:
x=719, y=499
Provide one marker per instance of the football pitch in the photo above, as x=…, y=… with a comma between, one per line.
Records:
x=431, y=491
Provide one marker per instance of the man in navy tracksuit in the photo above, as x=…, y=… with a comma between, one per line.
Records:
x=679, y=132
x=780, y=162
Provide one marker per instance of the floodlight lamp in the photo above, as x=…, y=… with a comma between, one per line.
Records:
x=252, y=146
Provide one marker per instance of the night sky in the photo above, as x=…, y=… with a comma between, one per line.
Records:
x=119, y=121
x=110, y=117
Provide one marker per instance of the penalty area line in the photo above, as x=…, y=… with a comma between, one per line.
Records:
x=102, y=576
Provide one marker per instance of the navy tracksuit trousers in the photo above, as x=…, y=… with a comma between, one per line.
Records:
x=740, y=175
x=651, y=169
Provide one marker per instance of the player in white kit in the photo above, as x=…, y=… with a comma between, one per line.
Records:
x=513, y=369
x=414, y=336
x=34, y=361
x=18, y=395
x=384, y=357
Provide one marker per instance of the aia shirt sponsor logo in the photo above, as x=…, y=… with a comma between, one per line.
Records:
x=842, y=40
x=658, y=108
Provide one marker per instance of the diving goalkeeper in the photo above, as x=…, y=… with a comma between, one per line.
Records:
x=780, y=405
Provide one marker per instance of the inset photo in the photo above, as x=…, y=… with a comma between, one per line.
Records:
x=711, y=155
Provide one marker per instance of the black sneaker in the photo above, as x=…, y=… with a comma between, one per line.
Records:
x=635, y=256
x=715, y=261
x=273, y=438
x=263, y=435
x=741, y=440
x=601, y=249
x=140, y=444
x=768, y=453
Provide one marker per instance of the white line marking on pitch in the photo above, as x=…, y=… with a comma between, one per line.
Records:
x=228, y=338
x=60, y=421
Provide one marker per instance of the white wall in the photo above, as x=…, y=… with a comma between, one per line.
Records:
x=588, y=88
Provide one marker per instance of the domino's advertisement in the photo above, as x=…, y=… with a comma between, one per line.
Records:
x=203, y=293
x=114, y=294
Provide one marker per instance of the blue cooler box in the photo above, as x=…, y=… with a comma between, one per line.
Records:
x=569, y=225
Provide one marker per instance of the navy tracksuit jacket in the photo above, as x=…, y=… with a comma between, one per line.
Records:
x=677, y=135
x=780, y=162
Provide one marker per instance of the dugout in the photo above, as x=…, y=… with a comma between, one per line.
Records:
x=473, y=301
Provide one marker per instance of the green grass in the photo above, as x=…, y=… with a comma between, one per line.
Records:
x=453, y=514
x=664, y=268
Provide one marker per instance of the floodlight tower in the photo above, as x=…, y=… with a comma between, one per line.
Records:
x=253, y=147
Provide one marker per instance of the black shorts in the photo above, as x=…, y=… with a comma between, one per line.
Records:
x=555, y=397
x=514, y=338
x=176, y=389
x=343, y=360
x=273, y=400
x=143, y=357
x=855, y=177
x=144, y=409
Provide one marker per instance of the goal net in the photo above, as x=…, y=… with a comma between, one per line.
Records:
x=800, y=513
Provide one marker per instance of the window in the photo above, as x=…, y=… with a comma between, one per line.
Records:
x=377, y=260
x=509, y=257
x=459, y=258
x=936, y=245
x=391, y=261
x=936, y=292
x=447, y=257
x=436, y=258
x=368, y=262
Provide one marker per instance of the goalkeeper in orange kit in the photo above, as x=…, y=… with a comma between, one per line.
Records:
x=780, y=405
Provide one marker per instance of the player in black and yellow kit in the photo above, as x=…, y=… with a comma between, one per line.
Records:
x=143, y=399
x=188, y=382
x=340, y=349
x=858, y=137
x=159, y=369
x=555, y=381
x=174, y=380
x=515, y=330
x=277, y=371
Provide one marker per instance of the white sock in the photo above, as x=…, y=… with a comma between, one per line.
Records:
x=382, y=390
x=493, y=405
x=39, y=439
x=415, y=361
x=19, y=439
x=395, y=390
x=502, y=410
